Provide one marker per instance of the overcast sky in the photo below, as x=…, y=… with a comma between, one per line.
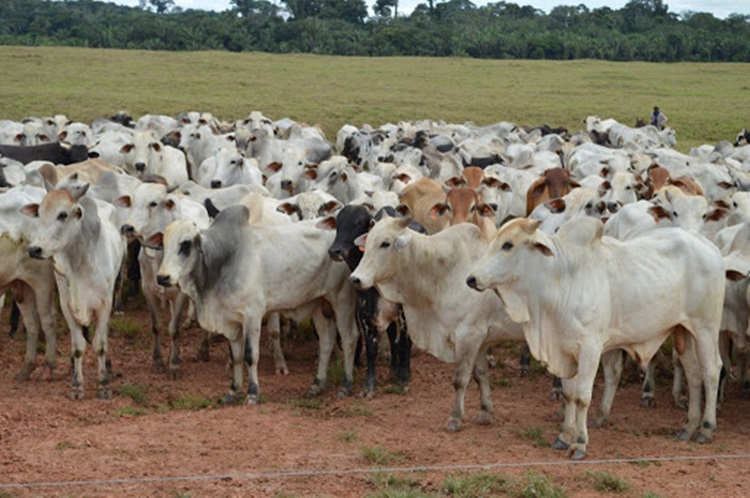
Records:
x=719, y=8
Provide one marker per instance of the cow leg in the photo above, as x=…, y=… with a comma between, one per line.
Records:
x=695, y=387
x=251, y=333
x=466, y=356
x=612, y=365
x=577, y=391
x=742, y=363
x=100, y=348
x=647, y=388
x=204, y=349
x=370, y=334
x=27, y=309
x=678, y=382
x=709, y=360
x=345, y=309
x=327, y=338
x=15, y=315
x=237, y=352
x=46, y=309
x=273, y=326
x=481, y=369
x=525, y=367
x=173, y=328
x=402, y=351
x=556, y=392
x=117, y=294
x=157, y=362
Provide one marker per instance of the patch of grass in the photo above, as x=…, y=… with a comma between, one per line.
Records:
x=391, y=486
x=124, y=327
x=377, y=455
x=130, y=411
x=347, y=436
x=538, y=486
x=307, y=403
x=481, y=484
x=192, y=402
x=640, y=463
x=395, y=389
x=501, y=382
x=535, y=434
x=335, y=373
x=359, y=409
x=65, y=445
x=606, y=482
x=136, y=392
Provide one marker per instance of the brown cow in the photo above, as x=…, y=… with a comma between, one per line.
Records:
x=555, y=182
x=463, y=205
x=418, y=198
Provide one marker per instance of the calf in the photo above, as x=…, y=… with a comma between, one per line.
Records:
x=87, y=252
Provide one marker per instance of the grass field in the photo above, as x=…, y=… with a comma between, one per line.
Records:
x=705, y=102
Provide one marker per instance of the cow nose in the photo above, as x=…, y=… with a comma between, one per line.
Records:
x=140, y=167
x=286, y=184
x=127, y=230
x=472, y=281
x=215, y=183
x=163, y=280
x=613, y=207
x=355, y=281
x=35, y=252
x=334, y=253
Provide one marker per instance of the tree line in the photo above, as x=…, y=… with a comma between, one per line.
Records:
x=643, y=30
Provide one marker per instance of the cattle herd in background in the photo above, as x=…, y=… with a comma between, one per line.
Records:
x=586, y=244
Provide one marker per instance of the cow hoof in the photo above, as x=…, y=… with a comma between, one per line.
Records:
x=252, y=400
x=25, y=373
x=344, y=392
x=229, y=399
x=484, y=418
x=453, y=425
x=104, y=393
x=174, y=374
x=648, y=402
x=556, y=394
x=76, y=393
x=597, y=422
x=524, y=371
x=559, y=444
x=578, y=454
x=703, y=438
x=284, y=371
x=684, y=435
x=315, y=389
x=157, y=367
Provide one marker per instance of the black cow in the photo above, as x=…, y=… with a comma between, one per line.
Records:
x=351, y=222
x=743, y=135
x=54, y=152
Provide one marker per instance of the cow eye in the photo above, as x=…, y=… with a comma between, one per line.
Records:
x=385, y=245
x=628, y=187
x=153, y=204
x=62, y=216
x=185, y=247
x=589, y=205
x=507, y=246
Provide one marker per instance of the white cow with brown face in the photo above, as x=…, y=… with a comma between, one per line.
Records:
x=579, y=294
x=78, y=234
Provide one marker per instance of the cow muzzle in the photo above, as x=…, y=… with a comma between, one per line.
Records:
x=336, y=254
x=164, y=280
x=471, y=281
x=36, y=252
x=357, y=282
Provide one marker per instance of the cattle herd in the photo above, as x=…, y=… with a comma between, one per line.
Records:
x=586, y=245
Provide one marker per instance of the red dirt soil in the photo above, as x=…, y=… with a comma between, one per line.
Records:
x=291, y=445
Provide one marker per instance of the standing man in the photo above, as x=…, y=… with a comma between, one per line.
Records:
x=658, y=118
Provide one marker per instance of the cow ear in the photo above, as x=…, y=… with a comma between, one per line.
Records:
x=78, y=193
x=310, y=174
x=403, y=211
x=126, y=148
x=542, y=248
x=123, y=201
x=289, y=208
x=31, y=210
x=327, y=223
x=156, y=241
x=438, y=210
x=48, y=185
x=330, y=206
x=156, y=146
x=275, y=166
x=361, y=241
x=77, y=212
x=169, y=203
x=455, y=181
x=62, y=136
x=487, y=210
x=573, y=184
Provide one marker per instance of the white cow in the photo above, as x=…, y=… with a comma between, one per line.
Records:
x=425, y=274
x=235, y=273
x=87, y=251
x=579, y=295
x=146, y=155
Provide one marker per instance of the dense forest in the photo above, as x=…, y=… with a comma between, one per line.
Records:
x=643, y=30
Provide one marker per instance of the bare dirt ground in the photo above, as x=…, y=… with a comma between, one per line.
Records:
x=154, y=439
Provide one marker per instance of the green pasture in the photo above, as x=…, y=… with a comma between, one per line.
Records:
x=704, y=102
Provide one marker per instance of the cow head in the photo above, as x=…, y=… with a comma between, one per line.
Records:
x=60, y=219
x=181, y=242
